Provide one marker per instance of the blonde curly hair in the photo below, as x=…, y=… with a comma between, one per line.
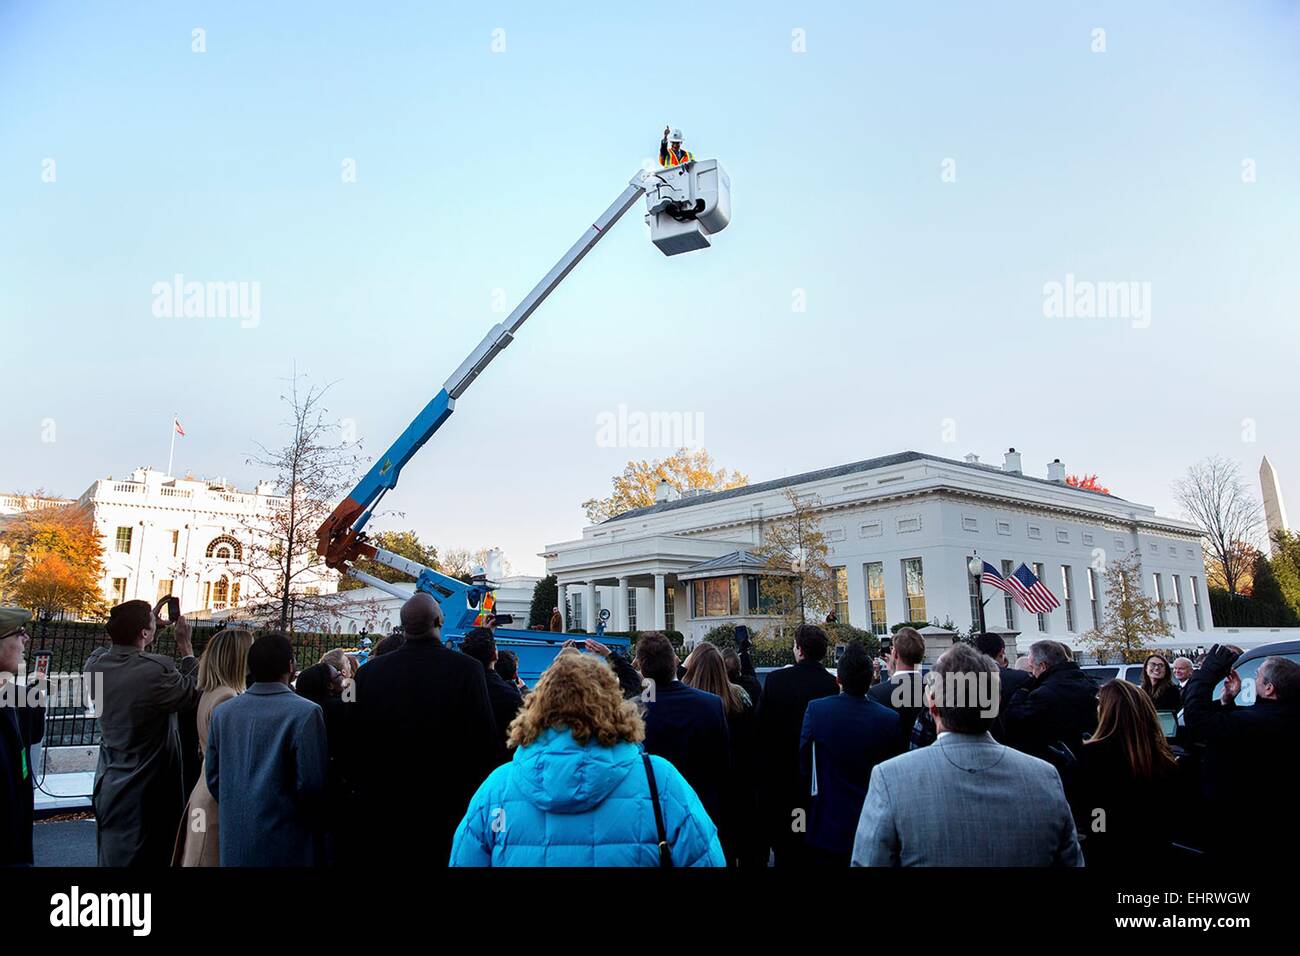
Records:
x=580, y=692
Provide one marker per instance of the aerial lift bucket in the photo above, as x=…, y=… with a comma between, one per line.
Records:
x=686, y=204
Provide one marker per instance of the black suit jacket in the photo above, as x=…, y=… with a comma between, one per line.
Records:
x=907, y=702
x=421, y=739
x=786, y=695
x=1060, y=705
x=20, y=727
x=688, y=728
x=748, y=678
x=1011, y=681
x=506, y=699
x=1248, y=765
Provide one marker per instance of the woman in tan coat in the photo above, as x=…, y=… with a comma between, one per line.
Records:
x=222, y=671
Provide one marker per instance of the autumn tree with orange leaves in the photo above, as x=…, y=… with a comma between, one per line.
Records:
x=684, y=470
x=51, y=562
x=1087, y=483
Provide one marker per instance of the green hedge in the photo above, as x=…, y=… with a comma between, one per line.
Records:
x=848, y=634
x=723, y=636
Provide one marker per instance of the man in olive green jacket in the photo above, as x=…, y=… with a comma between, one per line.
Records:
x=139, y=792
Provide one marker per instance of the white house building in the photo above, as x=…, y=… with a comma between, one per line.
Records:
x=901, y=529
x=181, y=536
x=14, y=504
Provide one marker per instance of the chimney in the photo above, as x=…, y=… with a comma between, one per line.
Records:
x=1056, y=471
x=1012, y=461
x=665, y=492
x=972, y=459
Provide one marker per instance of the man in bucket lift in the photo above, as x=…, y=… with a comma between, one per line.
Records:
x=670, y=150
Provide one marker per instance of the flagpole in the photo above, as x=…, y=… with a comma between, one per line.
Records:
x=172, y=451
x=976, y=562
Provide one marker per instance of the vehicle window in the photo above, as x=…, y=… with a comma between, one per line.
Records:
x=1247, y=672
x=1133, y=675
x=1102, y=674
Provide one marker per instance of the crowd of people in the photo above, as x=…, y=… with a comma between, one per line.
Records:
x=237, y=759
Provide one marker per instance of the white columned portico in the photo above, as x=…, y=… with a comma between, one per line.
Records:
x=589, y=607
x=661, y=595
x=621, y=614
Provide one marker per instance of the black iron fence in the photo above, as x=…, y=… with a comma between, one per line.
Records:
x=70, y=644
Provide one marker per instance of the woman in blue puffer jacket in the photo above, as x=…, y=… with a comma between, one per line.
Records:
x=577, y=792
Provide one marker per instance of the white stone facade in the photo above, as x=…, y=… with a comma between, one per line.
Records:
x=885, y=519
x=186, y=537
x=13, y=504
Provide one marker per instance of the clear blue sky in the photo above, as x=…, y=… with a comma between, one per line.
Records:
x=476, y=169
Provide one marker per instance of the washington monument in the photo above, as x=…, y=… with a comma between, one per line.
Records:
x=1274, y=508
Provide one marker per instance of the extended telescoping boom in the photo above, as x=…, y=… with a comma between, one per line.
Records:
x=684, y=205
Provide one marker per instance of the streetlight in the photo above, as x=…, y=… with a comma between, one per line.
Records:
x=976, y=568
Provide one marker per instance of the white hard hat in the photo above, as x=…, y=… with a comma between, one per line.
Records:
x=675, y=136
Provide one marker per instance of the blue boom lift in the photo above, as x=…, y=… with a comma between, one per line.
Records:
x=684, y=205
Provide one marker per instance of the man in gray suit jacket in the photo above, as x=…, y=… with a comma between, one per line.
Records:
x=266, y=765
x=966, y=800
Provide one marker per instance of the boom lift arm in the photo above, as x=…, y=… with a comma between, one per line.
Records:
x=686, y=204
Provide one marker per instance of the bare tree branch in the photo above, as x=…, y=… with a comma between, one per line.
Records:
x=1217, y=501
x=312, y=471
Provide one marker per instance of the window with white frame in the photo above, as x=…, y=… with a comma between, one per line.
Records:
x=122, y=541
x=1042, y=618
x=1094, y=598
x=914, y=588
x=1008, y=602
x=976, y=598
x=1196, y=604
x=670, y=596
x=717, y=597
x=1160, y=595
x=1178, y=603
x=874, y=572
x=1067, y=598
x=119, y=590
x=840, y=579
x=631, y=609
x=225, y=548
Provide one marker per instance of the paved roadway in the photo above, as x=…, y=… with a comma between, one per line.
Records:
x=64, y=843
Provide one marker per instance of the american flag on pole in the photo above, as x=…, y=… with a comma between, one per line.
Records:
x=176, y=423
x=991, y=575
x=1029, y=592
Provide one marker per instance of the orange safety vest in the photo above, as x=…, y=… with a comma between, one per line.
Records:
x=676, y=157
x=485, y=609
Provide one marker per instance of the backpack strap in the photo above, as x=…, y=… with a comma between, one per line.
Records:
x=665, y=853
